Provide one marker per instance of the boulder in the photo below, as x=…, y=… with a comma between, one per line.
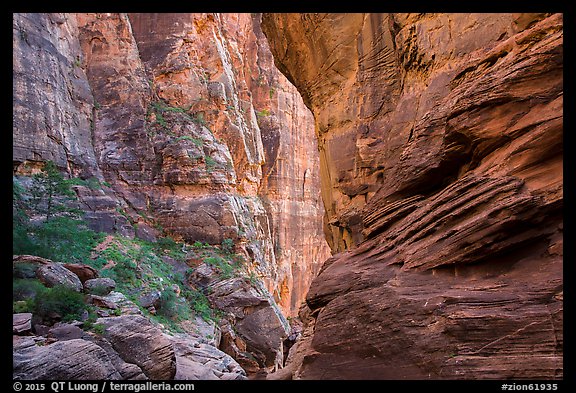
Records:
x=256, y=339
x=53, y=274
x=21, y=323
x=150, y=299
x=128, y=371
x=31, y=259
x=65, y=331
x=99, y=286
x=139, y=342
x=198, y=361
x=63, y=360
x=101, y=301
x=84, y=272
x=116, y=300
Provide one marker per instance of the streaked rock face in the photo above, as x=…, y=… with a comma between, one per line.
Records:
x=188, y=120
x=441, y=152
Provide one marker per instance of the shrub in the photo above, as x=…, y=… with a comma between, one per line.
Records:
x=168, y=307
x=62, y=301
x=228, y=246
x=24, y=270
x=99, y=328
x=24, y=289
x=200, y=304
x=225, y=268
x=198, y=244
x=210, y=163
x=62, y=239
x=172, y=307
x=263, y=112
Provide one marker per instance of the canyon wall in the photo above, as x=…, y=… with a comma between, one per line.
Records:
x=441, y=153
x=188, y=121
x=191, y=131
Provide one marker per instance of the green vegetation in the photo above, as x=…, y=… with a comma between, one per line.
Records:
x=30, y=295
x=47, y=224
x=211, y=164
x=199, y=118
x=228, y=246
x=200, y=305
x=263, y=112
x=271, y=92
x=225, y=267
x=99, y=328
x=51, y=193
x=198, y=244
x=60, y=234
x=197, y=141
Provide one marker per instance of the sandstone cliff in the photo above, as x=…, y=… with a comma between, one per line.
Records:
x=440, y=140
x=191, y=128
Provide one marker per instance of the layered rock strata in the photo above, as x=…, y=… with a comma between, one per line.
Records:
x=440, y=140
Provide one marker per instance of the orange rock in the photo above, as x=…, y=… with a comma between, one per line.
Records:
x=441, y=152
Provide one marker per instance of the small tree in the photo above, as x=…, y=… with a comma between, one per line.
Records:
x=50, y=187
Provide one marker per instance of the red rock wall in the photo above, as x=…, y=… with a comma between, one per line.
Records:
x=441, y=152
x=187, y=119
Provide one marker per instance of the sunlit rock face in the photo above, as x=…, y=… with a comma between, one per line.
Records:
x=191, y=127
x=441, y=153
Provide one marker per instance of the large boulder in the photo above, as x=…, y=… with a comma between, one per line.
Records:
x=65, y=331
x=150, y=299
x=63, y=360
x=53, y=274
x=198, y=361
x=115, y=300
x=259, y=330
x=140, y=342
x=21, y=323
x=84, y=272
x=99, y=286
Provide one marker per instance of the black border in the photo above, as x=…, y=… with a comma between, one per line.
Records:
x=565, y=7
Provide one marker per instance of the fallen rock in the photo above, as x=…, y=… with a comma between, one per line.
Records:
x=259, y=327
x=128, y=371
x=63, y=360
x=140, y=342
x=21, y=342
x=150, y=299
x=101, y=301
x=115, y=300
x=32, y=259
x=41, y=330
x=65, y=331
x=84, y=272
x=99, y=286
x=198, y=361
x=206, y=332
x=21, y=323
x=53, y=274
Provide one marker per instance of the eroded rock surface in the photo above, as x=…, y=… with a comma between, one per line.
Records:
x=440, y=141
x=64, y=360
x=139, y=342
